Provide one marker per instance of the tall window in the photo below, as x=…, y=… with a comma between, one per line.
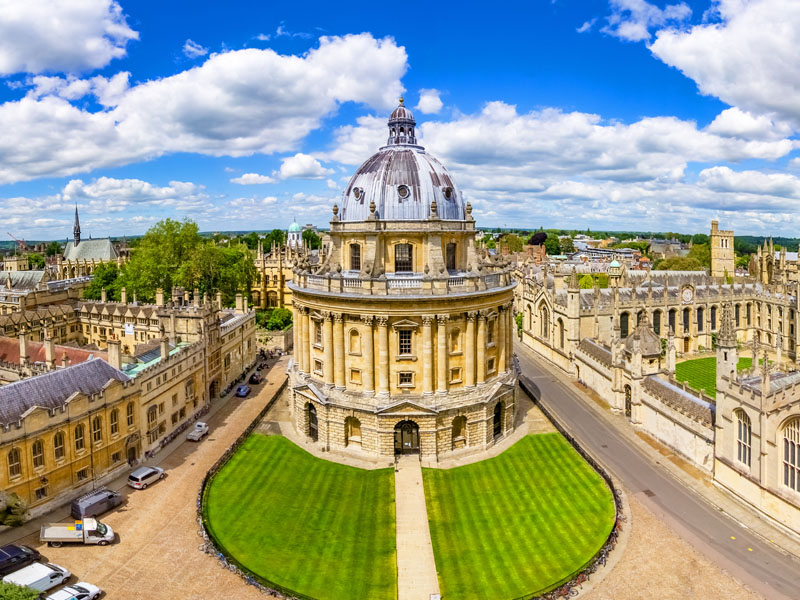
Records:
x=490, y=332
x=114, y=420
x=129, y=414
x=317, y=332
x=747, y=315
x=402, y=258
x=657, y=322
x=561, y=334
x=685, y=320
x=544, y=322
x=80, y=443
x=699, y=319
x=152, y=416
x=624, y=325
x=713, y=318
x=791, y=454
x=736, y=314
x=404, y=337
x=58, y=445
x=37, y=451
x=743, y=434
x=355, y=257
x=97, y=430
x=450, y=256
x=14, y=464
x=672, y=320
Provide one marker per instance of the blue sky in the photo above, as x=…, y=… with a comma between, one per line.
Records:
x=613, y=114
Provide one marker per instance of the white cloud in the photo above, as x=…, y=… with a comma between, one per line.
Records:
x=747, y=57
x=723, y=179
x=252, y=179
x=429, y=101
x=253, y=204
x=107, y=194
x=263, y=37
x=235, y=104
x=632, y=19
x=302, y=166
x=586, y=26
x=281, y=31
x=734, y=122
x=353, y=144
x=332, y=185
x=58, y=36
x=108, y=91
x=193, y=50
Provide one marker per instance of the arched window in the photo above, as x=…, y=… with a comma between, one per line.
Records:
x=129, y=414
x=14, y=464
x=37, y=451
x=58, y=445
x=747, y=314
x=80, y=442
x=352, y=431
x=450, y=256
x=624, y=325
x=355, y=257
x=97, y=430
x=657, y=322
x=713, y=318
x=455, y=340
x=791, y=454
x=544, y=322
x=529, y=317
x=403, y=258
x=685, y=320
x=355, y=341
x=152, y=416
x=700, y=318
x=561, y=334
x=737, y=314
x=114, y=422
x=672, y=320
x=743, y=436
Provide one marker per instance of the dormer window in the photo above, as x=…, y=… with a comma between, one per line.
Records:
x=448, y=193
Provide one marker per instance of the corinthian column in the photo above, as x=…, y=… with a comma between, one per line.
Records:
x=511, y=331
x=369, y=356
x=427, y=354
x=304, y=342
x=481, y=347
x=501, y=340
x=469, y=349
x=441, y=359
x=383, y=356
x=327, y=345
x=338, y=349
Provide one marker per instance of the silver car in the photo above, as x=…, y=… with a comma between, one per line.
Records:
x=143, y=476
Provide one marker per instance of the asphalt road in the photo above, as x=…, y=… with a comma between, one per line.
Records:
x=751, y=560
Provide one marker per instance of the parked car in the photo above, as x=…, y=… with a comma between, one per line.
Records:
x=13, y=558
x=79, y=591
x=95, y=503
x=143, y=476
x=255, y=378
x=242, y=391
x=198, y=433
x=87, y=531
x=39, y=576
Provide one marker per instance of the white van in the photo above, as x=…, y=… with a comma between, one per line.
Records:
x=39, y=576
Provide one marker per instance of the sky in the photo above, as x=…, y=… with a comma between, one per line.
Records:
x=575, y=114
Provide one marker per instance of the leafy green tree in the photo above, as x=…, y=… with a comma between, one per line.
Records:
x=106, y=276
x=700, y=238
x=210, y=268
x=311, y=239
x=12, y=509
x=280, y=319
x=566, y=246
x=743, y=261
x=518, y=321
x=586, y=282
x=277, y=236
x=36, y=261
x=250, y=240
x=490, y=243
x=679, y=263
x=52, y=249
x=551, y=244
x=9, y=591
x=513, y=242
x=701, y=253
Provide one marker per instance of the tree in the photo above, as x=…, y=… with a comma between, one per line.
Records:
x=490, y=243
x=679, y=263
x=537, y=239
x=36, y=261
x=106, y=276
x=229, y=270
x=12, y=509
x=513, y=242
x=250, y=240
x=702, y=254
x=551, y=244
x=566, y=246
x=9, y=591
x=311, y=239
x=52, y=249
x=280, y=319
x=700, y=238
x=743, y=261
x=587, y=282
x=276, y=236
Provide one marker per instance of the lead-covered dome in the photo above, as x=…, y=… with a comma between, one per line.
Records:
x=402, y=180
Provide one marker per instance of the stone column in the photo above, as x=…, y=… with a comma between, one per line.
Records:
x=327, y=345
x=369, y=356
x=427, y=354
x=303, y=348
x=441, y=358
x=297, y=336
x=501, y=339
x=481, y=347
x=469, y=350
x=383, y=356
x=338, y=349
x=511, y=331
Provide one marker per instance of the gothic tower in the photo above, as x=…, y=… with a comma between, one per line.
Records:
x=76, y=230
x=727, y=354
x=722, y=261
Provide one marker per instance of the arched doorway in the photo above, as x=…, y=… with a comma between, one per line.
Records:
x=213, y=389
x=628, y=401
x=311, y=413
x=406, y=438
x=498, y=420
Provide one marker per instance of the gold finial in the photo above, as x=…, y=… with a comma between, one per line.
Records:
x=401, y=101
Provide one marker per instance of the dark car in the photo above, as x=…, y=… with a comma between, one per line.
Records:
x=13, y=558
x=242, y=391
x=95, y=503
x=255, y=378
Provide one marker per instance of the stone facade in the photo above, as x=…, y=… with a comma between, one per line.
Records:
x=722, y=257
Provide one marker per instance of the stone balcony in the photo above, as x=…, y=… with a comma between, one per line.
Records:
x=411, y=284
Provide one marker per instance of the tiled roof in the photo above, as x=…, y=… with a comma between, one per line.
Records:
x=680, y=400
x=52, y=390
x=600, y=353
x=101, y=249
x=21, y=280
x=9, y=352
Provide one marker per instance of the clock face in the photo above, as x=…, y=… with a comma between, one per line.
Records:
x=687, y=294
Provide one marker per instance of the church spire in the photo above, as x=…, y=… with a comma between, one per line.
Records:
x=76, y=230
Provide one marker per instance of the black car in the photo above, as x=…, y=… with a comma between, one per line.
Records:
x=13, y=558
x=255, y=378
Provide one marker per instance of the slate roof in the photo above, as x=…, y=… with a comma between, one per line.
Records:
x=101, y=249
x=52, y=390
x=680, y=400
x=600, y=353
x=21, y=280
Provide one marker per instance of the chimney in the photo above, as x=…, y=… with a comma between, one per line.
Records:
x=239, y=310
x=219, y=301
x=134, y=297
x=164, y=348
x=160, y=297
x=123, y=295
x=114, y=356
x=245, y=305
x=50, y=351
x=64, y=360
x=103, y=295
x=23, y=348
x=185, y=297
x=196, y=297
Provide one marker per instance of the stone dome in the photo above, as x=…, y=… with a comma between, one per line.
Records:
x=402, y=180
x=649, y=342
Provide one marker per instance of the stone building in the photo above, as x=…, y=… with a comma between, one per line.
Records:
x=27, y=290
x=82, y=257
x=403, y=332
x=722, y=257
x=273, y=274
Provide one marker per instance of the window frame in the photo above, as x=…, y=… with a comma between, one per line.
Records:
x=744, y=438
x=403, y=264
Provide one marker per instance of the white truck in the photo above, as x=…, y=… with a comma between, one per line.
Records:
x=87, y=531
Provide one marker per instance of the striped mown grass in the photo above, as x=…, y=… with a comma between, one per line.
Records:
x=701, y=373
x=316, y=527
x=518, y=523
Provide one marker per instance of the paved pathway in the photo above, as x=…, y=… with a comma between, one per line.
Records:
x=416, y=568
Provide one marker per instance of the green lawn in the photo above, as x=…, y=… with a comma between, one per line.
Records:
x=316, y=527
x=701, y=373
x=518, y=523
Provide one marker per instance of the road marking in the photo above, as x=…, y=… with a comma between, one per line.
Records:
x=749, y=549
x=733, y=537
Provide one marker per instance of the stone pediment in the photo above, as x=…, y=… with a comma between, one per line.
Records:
x=406, y=407
x=405, y=324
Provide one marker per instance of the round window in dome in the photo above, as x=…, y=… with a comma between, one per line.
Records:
x=448, y=193
x=357, y=193
x=403, y=191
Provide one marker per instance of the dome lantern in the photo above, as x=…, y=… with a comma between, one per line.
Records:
x=401, y=126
